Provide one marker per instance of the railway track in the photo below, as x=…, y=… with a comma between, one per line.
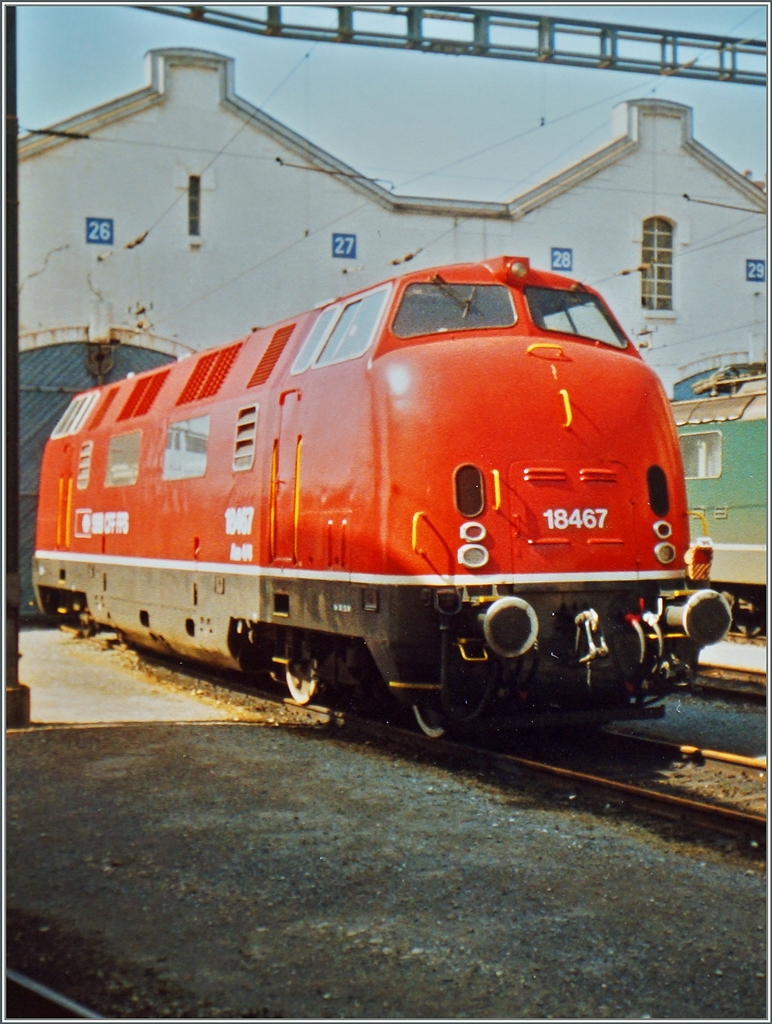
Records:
x=727, y=820
x=710, y=814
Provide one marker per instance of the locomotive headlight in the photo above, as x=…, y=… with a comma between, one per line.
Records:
x=473, y=533
x=473, y=556
x=662, y=528
x=518, y=269
x=665, y=553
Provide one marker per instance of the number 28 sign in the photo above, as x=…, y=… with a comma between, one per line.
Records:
x=99, y=230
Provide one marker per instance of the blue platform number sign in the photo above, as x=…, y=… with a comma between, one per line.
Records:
x=562, y=259
x=99, y=230
x=755, y=270
x=344, y=247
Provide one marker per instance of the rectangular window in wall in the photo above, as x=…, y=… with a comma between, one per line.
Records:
x=194, y=205
x=123, y=460
x=657, y=261
x=186, y=447
x=702, y=455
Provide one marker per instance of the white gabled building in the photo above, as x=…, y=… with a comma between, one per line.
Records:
x=188, y=216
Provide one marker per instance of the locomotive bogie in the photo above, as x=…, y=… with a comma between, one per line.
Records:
x=439, y=488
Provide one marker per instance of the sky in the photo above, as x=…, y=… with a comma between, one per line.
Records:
x=422, y=124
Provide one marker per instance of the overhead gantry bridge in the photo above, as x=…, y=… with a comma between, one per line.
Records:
x=504, y=35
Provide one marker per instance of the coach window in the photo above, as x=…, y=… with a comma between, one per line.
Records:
x=701, y=454
x=657, y=261
x=355, y=329
x=123, y=460
x=186, y=447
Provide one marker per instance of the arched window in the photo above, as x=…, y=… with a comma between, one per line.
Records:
x=657, y=258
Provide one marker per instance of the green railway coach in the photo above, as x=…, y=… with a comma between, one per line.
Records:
x=723, y=433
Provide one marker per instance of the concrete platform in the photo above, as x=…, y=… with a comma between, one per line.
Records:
x=742, y=657
x=74, y=683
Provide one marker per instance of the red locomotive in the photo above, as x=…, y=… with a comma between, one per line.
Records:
x=462, y=485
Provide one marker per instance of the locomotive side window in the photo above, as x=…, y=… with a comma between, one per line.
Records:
x=123, y=460
x=84, y=464
x=355, y=328
x=573, y=312
x=469, y=491
x=316, y=337
x=432, y=307
x=659, y=499
x=186, y=447
x=244, y=444
x=75, y=415
x=702, y=455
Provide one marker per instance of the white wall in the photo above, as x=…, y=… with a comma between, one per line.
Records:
x=265, y=247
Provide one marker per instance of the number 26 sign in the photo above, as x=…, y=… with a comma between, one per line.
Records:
x=99, y=230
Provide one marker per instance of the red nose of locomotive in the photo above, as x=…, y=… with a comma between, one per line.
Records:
x=536, y=472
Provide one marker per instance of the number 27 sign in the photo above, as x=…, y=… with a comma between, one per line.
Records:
x=344, y=246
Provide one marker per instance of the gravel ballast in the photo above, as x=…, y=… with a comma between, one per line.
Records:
x=246, y=869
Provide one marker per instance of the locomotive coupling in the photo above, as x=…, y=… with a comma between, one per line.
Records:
x=705, y=617
x=510, y=627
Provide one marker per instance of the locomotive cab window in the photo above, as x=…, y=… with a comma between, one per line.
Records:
x=573, y=312
x=123, y=459
x=316, y=337
x=469, y=490
x=355, y=328
x=701, y=454
x=186, y=449
x=435, y=306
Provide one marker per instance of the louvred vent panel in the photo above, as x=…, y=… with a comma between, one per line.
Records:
x=142, y=396
x=271, y=356
x=209, y=373
x=102, y=410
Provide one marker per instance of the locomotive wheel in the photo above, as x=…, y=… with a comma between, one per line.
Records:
x=303, y=680
x=430, y=721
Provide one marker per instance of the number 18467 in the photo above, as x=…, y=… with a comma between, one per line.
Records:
x=561, y=518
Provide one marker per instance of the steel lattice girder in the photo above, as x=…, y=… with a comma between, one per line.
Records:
x=481, y=32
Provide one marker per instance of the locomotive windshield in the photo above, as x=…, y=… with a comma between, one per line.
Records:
x=434, y=306
x=573, y=312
